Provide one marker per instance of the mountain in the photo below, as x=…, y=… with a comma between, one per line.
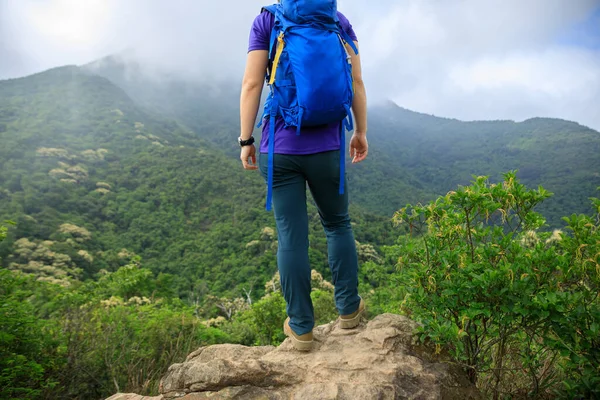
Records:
x=150, y=165
x=207, y=107
x=143, y=239
x=93, y=180
x=561, y=156
x=414, y=157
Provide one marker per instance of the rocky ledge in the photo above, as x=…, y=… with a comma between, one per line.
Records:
x=377, y=360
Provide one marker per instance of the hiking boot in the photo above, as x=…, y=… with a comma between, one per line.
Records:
x=300, y=342
x=352, y=320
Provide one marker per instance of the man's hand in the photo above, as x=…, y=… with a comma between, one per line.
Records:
x=248, y=157
x=359, y=147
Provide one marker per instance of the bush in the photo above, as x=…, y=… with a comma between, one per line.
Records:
x=517, y=307
x=27, y=347
x=265, y=319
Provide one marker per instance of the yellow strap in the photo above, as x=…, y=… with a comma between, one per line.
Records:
x=280, y=46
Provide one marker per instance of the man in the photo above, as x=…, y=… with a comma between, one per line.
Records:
x=309, y=155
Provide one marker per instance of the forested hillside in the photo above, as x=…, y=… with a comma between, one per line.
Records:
x=414, y=157
x=92, y=179
x=562, y=156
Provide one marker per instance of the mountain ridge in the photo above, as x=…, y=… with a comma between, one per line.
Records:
x=391, y=104
x=412, y=149
x=418, y=156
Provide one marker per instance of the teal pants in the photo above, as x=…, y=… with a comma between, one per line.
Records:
x=321, y=172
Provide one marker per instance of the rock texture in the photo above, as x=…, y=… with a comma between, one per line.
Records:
x=379, y=360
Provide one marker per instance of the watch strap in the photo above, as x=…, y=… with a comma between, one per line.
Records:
x=247, y=142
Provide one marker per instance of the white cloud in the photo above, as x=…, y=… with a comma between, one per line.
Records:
x=475, y=59
x=562, y=83
x=480, y=59
x=69, y=22
x=56, y=32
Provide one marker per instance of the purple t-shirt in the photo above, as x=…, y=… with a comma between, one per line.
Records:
x=312, y=139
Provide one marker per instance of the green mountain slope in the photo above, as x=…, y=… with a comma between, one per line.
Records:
x=562, y=156
x=414, y=157
x=92, y=180
x=211, y=110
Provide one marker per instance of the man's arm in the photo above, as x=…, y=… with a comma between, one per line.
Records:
x=359, y=104
x=359, y=147
x=252, y=85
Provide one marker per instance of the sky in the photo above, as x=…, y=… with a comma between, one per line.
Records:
x=465, y=59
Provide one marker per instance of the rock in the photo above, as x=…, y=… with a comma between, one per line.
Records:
x=130, y=396
x=378, y=360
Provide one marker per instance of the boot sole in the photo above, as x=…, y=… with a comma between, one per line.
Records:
x=351, y=323
x=300, y=345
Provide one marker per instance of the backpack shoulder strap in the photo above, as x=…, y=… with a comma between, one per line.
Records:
x=347, y=39
x=275, y=10
x=272, y=10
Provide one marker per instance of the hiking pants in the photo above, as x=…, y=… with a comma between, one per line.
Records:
x=321, y=172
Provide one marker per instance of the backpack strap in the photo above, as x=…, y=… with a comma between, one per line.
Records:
x=342, y=157
x=272, y=39
x=271, y=153
x=276, y=47
x=280, y=47
x=348, y=40
x=273, y=11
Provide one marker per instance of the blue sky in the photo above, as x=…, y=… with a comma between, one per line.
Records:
x=467, y=59
x=585, y=33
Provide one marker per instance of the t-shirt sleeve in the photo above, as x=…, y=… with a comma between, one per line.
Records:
x=260, y=32
x=347, y=26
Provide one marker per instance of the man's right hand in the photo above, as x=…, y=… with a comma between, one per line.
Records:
x=248, y=157
x=359, y=147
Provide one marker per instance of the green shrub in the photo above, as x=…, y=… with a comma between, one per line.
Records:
x=517, y=307
x=28, y=347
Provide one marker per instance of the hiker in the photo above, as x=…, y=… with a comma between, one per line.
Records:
x=308, y=52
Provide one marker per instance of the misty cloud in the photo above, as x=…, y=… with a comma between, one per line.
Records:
x=466, y=59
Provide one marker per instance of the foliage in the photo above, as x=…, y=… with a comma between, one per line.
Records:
x=93, y=339
x=575, y=326
x=324, y=305
x=3, y=230
x=265, y=319
x=261, y=323
x=27, y=347
x=518, y=308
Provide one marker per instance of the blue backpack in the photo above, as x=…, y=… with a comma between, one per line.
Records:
x=310, y=73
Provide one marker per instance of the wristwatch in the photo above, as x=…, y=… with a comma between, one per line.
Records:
x=246, y=142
